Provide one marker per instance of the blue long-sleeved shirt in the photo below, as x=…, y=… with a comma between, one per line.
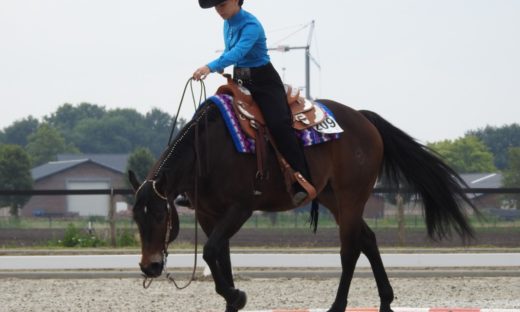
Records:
x=245, y=43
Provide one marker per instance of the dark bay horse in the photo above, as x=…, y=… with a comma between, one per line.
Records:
x=202, y=162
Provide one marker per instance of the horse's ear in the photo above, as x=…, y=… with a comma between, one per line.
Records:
x=133, y=180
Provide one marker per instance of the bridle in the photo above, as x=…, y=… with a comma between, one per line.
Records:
x=172, y=145
x=154, y=187
x=147, y=280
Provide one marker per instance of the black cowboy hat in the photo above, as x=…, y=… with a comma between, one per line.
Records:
x=206, y=4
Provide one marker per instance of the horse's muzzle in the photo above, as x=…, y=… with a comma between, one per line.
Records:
x=154, y=269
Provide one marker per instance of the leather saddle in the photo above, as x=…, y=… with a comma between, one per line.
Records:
x=305, y=113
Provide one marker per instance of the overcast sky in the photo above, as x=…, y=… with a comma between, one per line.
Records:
x=434, y=68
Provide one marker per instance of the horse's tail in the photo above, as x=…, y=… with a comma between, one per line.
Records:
x=439, y=186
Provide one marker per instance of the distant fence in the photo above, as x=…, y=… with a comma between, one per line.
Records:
x=477, y=192
x=296, y=220
x=511, y=190
x=65, y=192
x=111, y=192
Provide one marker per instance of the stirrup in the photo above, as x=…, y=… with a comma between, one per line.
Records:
x=182, y=200
x=304, y=196
x=299, y=198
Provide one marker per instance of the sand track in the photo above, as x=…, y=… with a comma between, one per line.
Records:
x=128, y=295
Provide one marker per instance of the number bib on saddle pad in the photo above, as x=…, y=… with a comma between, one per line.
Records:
x=325, y=131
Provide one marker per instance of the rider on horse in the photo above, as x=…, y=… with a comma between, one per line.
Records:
x=246, y=49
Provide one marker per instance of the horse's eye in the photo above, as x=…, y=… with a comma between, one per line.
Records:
x=156, y=213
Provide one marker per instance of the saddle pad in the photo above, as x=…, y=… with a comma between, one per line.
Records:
x=244, y=144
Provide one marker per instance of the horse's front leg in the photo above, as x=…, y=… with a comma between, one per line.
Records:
x=224, y=264
x=216, y=255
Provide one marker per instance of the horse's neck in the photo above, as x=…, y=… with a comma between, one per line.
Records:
x=183, y=164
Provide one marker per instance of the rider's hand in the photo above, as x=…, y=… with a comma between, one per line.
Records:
x=201, y=73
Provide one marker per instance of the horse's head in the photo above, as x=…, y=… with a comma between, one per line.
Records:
x=157, y=221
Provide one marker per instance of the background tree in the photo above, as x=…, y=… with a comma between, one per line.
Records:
x=159, y=124
x=15, y=174
x=499, y=140
x=118, y=131
x=45, y=144
x=19, y=131
x=93, y=129
x=512, y=174
x=68, y=116
x=466, y=155
x=141, y=161
x=105, y=135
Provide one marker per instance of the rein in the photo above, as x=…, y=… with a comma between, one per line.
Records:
x=148, y=281
x=202, y=94
x=169, y=276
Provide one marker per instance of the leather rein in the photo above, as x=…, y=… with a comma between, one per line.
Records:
x=147, y=280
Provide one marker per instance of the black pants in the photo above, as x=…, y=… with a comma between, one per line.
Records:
x=268, y=91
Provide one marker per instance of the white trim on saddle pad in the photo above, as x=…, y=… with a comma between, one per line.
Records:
x=329, y=125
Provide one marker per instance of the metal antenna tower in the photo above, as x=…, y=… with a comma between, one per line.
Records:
x=308, y=57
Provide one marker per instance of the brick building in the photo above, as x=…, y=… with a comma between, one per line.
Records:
x=96, y=171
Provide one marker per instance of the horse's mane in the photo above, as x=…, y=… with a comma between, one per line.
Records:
x=186, y=135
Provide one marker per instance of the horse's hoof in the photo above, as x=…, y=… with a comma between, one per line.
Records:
x=230, y=309
x=336, y=307
x=238, y=302
x=385, y=308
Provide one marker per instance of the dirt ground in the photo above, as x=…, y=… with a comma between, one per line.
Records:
x=282, y=293
x=127, y=294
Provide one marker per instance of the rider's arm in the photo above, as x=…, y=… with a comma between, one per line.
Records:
x=248, y=37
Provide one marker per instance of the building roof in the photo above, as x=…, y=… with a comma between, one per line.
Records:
x=483, y=180
x=116, y=162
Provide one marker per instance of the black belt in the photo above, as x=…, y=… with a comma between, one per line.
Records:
x=247, y=74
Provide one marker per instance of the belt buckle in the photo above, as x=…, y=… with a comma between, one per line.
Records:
x=242, y=74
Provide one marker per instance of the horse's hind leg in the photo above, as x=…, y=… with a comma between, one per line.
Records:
x=371, y=251
x=350, y=230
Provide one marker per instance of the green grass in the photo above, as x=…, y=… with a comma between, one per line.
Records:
x=127, y=235
x=42, y=223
